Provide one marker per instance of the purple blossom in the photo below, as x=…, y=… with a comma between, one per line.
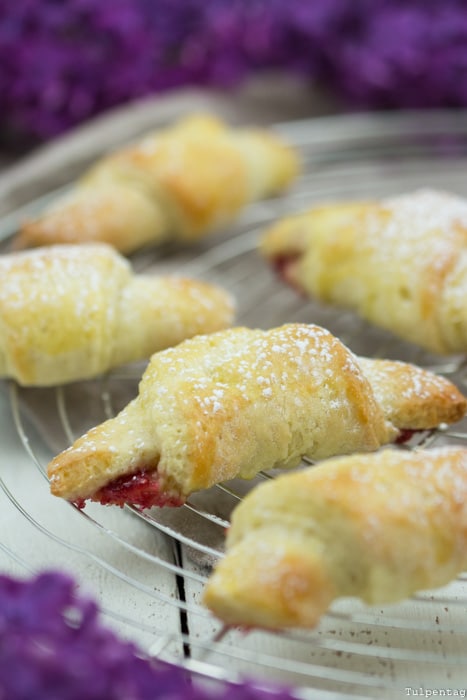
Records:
x=405, y=54
x=53, y=646
x=63, y=61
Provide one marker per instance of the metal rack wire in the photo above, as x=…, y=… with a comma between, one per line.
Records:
x=159, y=559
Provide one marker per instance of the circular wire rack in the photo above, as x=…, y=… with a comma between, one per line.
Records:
x=148, y=568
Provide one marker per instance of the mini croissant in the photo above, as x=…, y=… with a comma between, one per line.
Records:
x=378, y=527
x=401, y=263
x=238, y=401
x=181, y=183
x=73, y=312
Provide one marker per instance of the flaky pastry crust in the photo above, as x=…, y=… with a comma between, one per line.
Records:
x=401, y=263
x=180, y=182
x=378, y=527
x=73, y=312
x=232, y=403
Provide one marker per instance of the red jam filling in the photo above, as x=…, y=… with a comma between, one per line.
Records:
x=285, y=265
x=143, y=487
x=139, y=489
x=405, y=435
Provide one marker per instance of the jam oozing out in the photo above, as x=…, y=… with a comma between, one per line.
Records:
x=284, y=266
x=143, y=487
x=405, y=435
x=140, y=489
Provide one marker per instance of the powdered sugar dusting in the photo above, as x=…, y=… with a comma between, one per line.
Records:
x=414, y=213
x=394, y=261
x=257, y=399
x=56, y=305
x=417, y=238
x=238, y=401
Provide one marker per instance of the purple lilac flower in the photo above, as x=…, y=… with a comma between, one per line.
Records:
x=405, y=54
x=63, y=61
x=53, y=646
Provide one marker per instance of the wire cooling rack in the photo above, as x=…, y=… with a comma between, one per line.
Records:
x=148, y=568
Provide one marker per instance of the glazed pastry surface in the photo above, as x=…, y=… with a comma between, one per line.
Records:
x=239, y=401
x=72, y=312
x=378, y=527
x=180, y=182
x=401, y=263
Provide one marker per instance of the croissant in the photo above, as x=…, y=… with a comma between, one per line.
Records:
x=238, y=401
x=73, y=312
x=180, y=182
x=377, y=527
x=401, y=263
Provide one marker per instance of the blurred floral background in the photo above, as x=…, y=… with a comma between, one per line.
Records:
x=64, y=61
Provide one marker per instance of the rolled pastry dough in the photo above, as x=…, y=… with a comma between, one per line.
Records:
x=180, y=182
x=72, y=312
x=401, y=263
x=232, y=403
x=378, y=527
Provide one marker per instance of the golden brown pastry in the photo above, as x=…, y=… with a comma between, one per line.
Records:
x=179, y=183
x=378, y=527
x=401, y=263
x=72, y=312
x=239, y=401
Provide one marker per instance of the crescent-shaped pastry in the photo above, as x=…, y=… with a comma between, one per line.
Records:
x=377, y=527
x=401, y=263
x=232, y=403
x=73, y=312
x=180, y=182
